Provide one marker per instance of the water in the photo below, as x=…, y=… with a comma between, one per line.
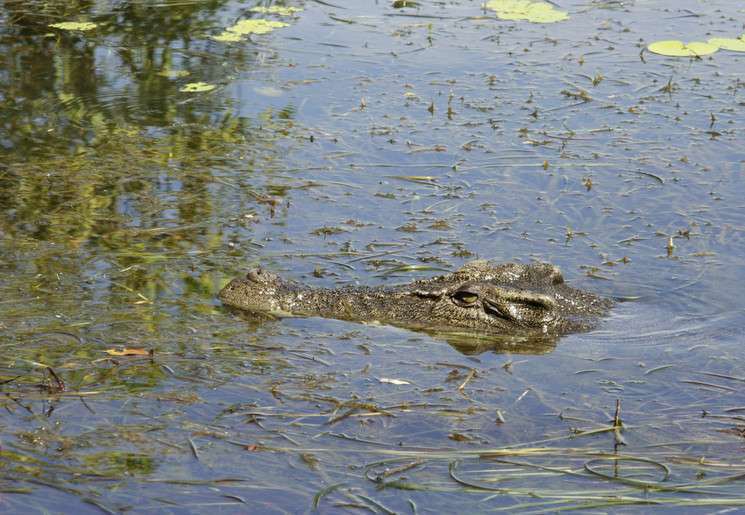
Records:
x=355, y=140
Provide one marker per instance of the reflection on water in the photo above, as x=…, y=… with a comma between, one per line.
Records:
x=355, y=140
x=465, y=343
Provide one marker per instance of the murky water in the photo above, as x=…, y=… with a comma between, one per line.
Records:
x=356, y=139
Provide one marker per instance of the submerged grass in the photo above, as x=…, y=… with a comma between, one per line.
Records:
x=313, y=428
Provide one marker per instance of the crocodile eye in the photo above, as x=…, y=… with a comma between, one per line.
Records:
x=465, y=298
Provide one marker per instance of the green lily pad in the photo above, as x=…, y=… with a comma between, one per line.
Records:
x=197, y=87
x=535, y=12
x=243, y=27
x=738, y=45
x=256, y=26
x=228, y=36
x=680, y=49
x=275, y=9
x=74, y=25
x=172, y=74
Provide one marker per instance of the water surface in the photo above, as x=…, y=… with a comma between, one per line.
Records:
x=355, y=140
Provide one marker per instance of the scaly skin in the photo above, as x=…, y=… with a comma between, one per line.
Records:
x=508, y=299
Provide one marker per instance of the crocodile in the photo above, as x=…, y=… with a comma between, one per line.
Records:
x=509, y=299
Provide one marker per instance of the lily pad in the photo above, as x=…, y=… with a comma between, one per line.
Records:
x=256, y=26
x=74, y=25
x=228, y=36
x=171, y=74
x=243, y=27
x=197, y=87
x=275, y=9
x=680, y=49
x=535, y=12
x=738, y=45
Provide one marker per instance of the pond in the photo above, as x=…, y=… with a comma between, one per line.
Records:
x=158, y=152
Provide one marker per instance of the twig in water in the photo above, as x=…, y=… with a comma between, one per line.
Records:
x=617, y=423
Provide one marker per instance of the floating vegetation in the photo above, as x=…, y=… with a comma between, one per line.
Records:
x=680, y=49
x=421, y=179
x=243, y=27
x=74, y=25
x=400, y=4
x=275, y=9
x=736, y=44
x=173, y=73
x=519, y=10
x=197, y=87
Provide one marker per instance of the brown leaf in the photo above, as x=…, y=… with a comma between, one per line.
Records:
x=127, y=352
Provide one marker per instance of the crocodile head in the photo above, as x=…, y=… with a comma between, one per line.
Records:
x=508, y=299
